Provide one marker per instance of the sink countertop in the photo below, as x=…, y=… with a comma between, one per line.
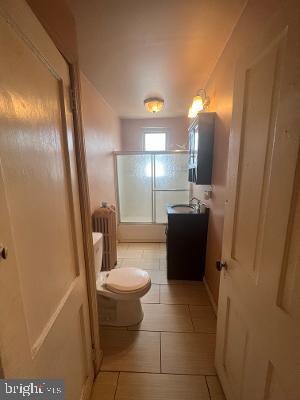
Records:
x=181, y=210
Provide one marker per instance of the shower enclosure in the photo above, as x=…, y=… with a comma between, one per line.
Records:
x=149, y=181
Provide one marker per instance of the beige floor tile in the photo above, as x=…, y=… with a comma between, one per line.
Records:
x=204, y=319
x=184, y=294
x=188, y=353
x=163, y=261
x=130, y=351
x=161, y=387
x=151, y=254
x=139, y=263
x=152, y=296
x=215, y=388
x=131, y=262
x=163, y=267
x=164, y=317
x=144, y=246
x=158, y=277
x=130, y=253
x=122, y=246
x=105, y=386
x=149, y=263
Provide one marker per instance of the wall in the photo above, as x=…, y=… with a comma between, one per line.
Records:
x=132, y=132
x=58, y=20
x=102, y=136
x=220, y=90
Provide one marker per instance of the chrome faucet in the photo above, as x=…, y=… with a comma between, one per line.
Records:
x=197, y=205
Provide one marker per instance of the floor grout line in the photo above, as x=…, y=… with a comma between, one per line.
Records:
x=147, y=330
x=190, y=313
x=160, y=352
x=159, y=295
x=115, y=393
x=154, y=373
x=208, y=388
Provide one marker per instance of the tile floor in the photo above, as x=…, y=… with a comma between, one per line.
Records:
x=170, y=355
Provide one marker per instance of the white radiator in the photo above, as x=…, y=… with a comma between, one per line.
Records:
x=104, y=221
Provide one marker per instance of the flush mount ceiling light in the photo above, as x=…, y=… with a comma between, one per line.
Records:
x=154, y=104
x=200, y=103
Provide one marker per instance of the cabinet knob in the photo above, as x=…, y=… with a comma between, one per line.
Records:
x=220, y=265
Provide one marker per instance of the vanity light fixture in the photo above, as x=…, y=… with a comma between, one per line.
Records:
x=200, y=103
x=154, y=104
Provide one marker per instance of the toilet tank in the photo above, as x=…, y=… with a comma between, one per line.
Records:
x=98, y=250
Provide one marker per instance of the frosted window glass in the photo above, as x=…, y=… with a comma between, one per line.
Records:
x=135, y=188
x=155, y=141
x=171, y=171
x=164, y=199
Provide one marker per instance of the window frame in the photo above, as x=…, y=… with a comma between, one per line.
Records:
x=155, y=131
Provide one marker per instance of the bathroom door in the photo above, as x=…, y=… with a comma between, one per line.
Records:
x=44, y=315
x=258, y=333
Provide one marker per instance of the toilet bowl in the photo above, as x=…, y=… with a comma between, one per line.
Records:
x=119, y=291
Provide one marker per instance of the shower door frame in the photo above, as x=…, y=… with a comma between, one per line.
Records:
x=154, y=190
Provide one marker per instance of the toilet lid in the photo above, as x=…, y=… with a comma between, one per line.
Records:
x=127, y=280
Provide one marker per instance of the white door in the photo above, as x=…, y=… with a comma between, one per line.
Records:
x=44, y=319
x=258, y=334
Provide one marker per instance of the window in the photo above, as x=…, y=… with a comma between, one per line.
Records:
x=155, y=141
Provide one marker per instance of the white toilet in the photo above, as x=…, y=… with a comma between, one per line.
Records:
x=119, y=290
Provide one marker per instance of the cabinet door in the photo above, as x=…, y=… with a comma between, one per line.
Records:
x=205, y=139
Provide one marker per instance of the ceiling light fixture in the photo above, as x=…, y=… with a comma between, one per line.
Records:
x=154, y=104
x=200, y=103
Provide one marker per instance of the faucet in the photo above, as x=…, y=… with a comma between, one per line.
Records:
x=197, y=205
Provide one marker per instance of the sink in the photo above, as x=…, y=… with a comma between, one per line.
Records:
x=183, y=208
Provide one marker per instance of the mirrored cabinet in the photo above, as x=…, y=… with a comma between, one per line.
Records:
x=201, y=142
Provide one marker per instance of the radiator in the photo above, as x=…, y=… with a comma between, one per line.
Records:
x=104, y=221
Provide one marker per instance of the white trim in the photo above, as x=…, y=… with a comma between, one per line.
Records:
x=211, y=298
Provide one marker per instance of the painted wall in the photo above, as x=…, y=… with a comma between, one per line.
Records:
x=59, y=22
x=132, y=132
x=220, y=90
x=102, y=136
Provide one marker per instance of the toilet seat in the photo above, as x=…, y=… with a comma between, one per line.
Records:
x=127, y=280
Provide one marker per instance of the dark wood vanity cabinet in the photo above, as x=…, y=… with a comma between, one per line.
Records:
x=201, y=142
x=186, y=245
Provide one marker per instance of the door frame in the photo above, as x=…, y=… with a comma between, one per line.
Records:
x=17, y=11
x=85, y=209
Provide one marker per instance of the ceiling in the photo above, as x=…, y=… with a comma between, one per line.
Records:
x=134, y=49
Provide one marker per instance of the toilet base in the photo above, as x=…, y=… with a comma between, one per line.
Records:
x=119, y=312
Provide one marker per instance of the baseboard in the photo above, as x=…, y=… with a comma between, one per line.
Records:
x=211, y=297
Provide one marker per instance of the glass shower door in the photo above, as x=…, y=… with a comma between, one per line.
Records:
x=170, y=183
x=148, y=183
x=135, y=187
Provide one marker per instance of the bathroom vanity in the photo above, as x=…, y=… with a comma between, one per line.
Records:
x=186, y=236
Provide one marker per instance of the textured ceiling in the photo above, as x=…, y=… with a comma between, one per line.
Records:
x=133, y=49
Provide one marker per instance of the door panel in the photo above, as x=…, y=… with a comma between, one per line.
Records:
x=258, y=346
x=45, y=329
x=257, y=135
